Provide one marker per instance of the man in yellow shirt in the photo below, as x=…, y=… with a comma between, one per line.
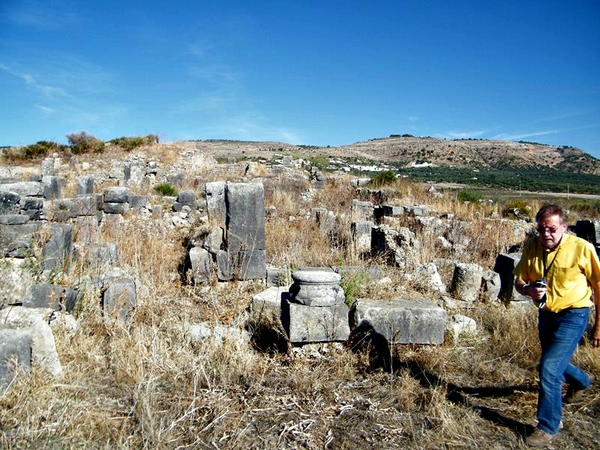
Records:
x=561, y=273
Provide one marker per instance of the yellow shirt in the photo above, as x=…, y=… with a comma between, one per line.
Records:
x=571, y=267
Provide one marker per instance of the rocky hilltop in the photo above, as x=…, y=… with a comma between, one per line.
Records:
x=408, y=150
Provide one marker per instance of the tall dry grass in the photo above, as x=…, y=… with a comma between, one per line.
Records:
x=150, y=384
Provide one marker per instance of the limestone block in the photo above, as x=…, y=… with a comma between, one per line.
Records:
x=51, y=186
x=215, y=202
x=403, y=321
x=14, y=219
x=103, y=256
x=186, y=197
x=588, y=230
x=504, y=265
x=15, y=278
x=245, y=230
x=85, y=185
x=244, y=265
x=362, y=211
x=56, y=297
x=305, y=324
x=214, y=241
x=491, y=286
x=16, y=241
x=44, y=355
x=115, y=208
x=24, y=188
x=119, y=299
x=268, y=303
x=361, y=236
x=466, y=281
x=57, y=252
x=201, y=262
x=314, y=286
x=116, y=195
x=15, y=347
x=138, y=201
x=10, y=203
x=392, y=211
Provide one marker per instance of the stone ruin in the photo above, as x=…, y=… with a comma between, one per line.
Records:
x=230, y=245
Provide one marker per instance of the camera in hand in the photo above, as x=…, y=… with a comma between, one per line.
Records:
x=542, y=283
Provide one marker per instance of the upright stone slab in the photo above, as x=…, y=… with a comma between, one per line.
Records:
x=362, y=211
x=361, y=236
x=314, y=286
x=245, y=217
x=10, y=203
x=16, y=241
x=504, y=265
x=466, y=282
x=119, y=299
x=57, y=297
x=51, y=186
x=201, y=262
x=403, y=321
x=243, y=265
x=15, y=346
x=215, y=202
x=58, y=250
x=85, y=185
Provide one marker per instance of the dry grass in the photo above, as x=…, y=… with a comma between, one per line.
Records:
x=150, y=384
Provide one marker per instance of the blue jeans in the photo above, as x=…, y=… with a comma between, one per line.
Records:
x=559, y=335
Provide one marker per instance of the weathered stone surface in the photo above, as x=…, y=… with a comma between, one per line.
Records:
x=24, y=188
x=13, y=219
x=56, y=297
x=85, y=185
x=186, y=197
x=16, y=241
x=304, y=324
x=15, y=277
x=362, y=211
x=403, y=321
x=104, y=256
x=44, y=355
x=58, y=251
x=83, y=205
x=316, y=287
x=245, y=217
x=491, y=286
x=215, y=202
x=325, y=219
x=588, y=230
x=15, y=346
x=138, y=201
x=201, y=262
x=115, y=208
x=466, y=281
x=214, y=241
x=504, y=265
x=269, y=302
x=10, y=203
x=51, y=186
x=392, y=210
x=361, y=236
x=119, y=299
x=459, y=325
x=400, y=247
x=116, y=195
x=250, y=265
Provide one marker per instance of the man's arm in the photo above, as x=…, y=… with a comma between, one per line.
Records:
x=535, y=293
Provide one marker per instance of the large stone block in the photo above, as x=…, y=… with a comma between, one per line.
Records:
x=245, y=221
x=119, y=299
x=588, y=230
x=361, y=236
x=466, y=281
x=85, y=185
x=15, y=347
x=116, y=195
x=16, y=241
x=504, y=265
x=201, y=261
x=305, y=324
x=57, y=297
x=10, y=203
x=52, y=187
x=215, y=202
x=24, y=188
x=403, y=321
x=57, y=252
x=250, y=265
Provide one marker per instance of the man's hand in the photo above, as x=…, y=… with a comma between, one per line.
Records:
x=596, y=335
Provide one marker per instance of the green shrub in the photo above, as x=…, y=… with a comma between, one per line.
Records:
x=83, y=142
x=129, y=143
x=40, y=149
x=517, y=209
x=319, y=162
x=351, y=283
x=468, y=195
x=166, y=189
x=385, y=178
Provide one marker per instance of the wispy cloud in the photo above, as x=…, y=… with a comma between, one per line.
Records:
x=45, y=109
x=465, y=134
x=567, y=115
x=32, y=81
x=517, y=136
x=40, y=15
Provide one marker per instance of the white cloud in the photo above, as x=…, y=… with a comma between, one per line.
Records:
x=465, y=134
x=37, y=14
x=45, y=109
x=518, y=136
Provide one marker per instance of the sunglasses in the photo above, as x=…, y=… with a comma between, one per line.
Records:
x=542, y=230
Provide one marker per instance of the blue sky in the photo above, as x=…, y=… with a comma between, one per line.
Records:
x=303, y=72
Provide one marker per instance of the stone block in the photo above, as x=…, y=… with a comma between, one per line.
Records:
x=138, y=201
x=403, y=321
x=491, y=286
x=15, y=347
x=57, y=297
x=24, y=188
x=186, y=197
x=214, y=241
x=115, y=208
x=14, y=219
x=362, y=211
x=85, y=185
x=245, y=222
x=215, y=202
x=250, y=265
x=16, y=241
x=588, y=230
x=119, y=299
x=361, y=236
x=103, y=256
x=201, y=261
x=466, y=281
x=10, y=203
x=268, y=303
x=116, y=195
x=52, y=187
x=392, y=211
x=504, y=265
x=57, y=252
x=306, y=324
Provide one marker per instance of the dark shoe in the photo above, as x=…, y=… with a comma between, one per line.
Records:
x=539, y=438
x=574, y=393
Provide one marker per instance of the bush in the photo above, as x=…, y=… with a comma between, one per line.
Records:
x=319, y=162
x=385, y=178
x=83, y=142
x=166, y=189
x=517, y=209
x=129, y=143
x=40, y=149
x=468, y=195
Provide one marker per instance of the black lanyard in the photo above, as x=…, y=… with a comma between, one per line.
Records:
x=545, y=255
